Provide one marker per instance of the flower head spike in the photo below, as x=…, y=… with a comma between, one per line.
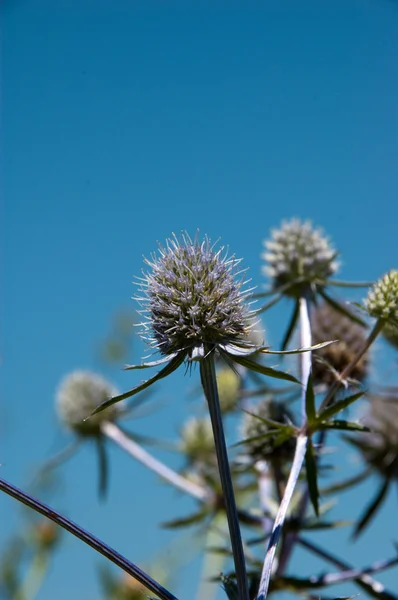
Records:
x=382, y=300
x=298, y=254
x=78, y=395
x=192, y=297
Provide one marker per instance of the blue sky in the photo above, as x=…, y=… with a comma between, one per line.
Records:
x=126, y=121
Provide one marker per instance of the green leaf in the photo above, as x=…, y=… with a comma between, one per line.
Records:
x=315, y=525
x=268, y=434
x=292, y=325
x=298, y=350
x=341, y=424
x=185, y=521
x=246, y=362
x=310, y=465
x=310, y=408
x=336, y=407
x=338, y=307
x=167, y=370
x=371, y=509
x=352, y=284
x=347, y=483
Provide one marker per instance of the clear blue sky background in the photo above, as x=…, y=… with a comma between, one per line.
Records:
x=125, y=121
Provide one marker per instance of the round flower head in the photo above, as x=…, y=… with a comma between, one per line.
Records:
x=192, y=297
x=382, y=300
x=78, y=395
x=327, y=362
x=379, y=447
x=229, y=386
x=252, y=427
x=297, y=253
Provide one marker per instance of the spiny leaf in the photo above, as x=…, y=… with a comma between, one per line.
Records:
x=310, y=465
x=253, y=366
x=310, y=408
x=291, y=326
x=341, y=424
x=336, y=407
x=167, y=370
x=268, y=304
x=342, y=309
x=185, y=521
x=371, y=509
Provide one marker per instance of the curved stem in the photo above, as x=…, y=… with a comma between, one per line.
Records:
x=114, y=433
x=88, y=539
x=209, y=383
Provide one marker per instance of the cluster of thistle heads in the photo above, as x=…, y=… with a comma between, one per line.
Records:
x=194, y=301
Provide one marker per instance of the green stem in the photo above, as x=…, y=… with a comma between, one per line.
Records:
x=114, y=433
x=34, y=577
x=87, y=538
x=209, y=383
x=348, y=369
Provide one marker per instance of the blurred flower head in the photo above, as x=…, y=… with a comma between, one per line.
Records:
x=382, y=300
x=298, y=254
x=327, y=362
x=78, y=395
x=197, y=441
x=193, y=295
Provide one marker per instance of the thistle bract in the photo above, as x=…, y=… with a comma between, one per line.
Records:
x=193, y=297
x=298, y=253
x=78, y=395
x=382, y=300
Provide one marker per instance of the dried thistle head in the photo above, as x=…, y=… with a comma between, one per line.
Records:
x=264, y=448
x=329, y=324
x=379, y=447
x=298, y=254
x=193, y=295
x=78, y=395
x=382, y=300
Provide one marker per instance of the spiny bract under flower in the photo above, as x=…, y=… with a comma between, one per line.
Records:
x=297, y=251
x=382, y=300
x=78, y=395
x=192, y=297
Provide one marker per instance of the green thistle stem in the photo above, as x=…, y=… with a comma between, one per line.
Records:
x=209, y=383
x=87, y=538
x=34, y=577
x=114, y=433
x=348, y=369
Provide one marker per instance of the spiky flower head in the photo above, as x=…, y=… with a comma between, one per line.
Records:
x=264, y=448
x=192, y=297
x=78, y=395
x=379, y=447
x=197, y=442
x=382, y=300
x=327, y=362
x=298, y=254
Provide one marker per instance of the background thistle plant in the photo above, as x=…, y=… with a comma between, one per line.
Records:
x=382, y=300
x=328, y=362
x=78, y=395
x=297, y=255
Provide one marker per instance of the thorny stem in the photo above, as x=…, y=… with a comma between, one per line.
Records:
x=88, y=539
x=363, y=580
x=299, y=455
x=301, y=446
x=114, y=433
x=348, y=369
x=209, y=383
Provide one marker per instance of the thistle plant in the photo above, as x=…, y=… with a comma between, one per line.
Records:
x=197, y=310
